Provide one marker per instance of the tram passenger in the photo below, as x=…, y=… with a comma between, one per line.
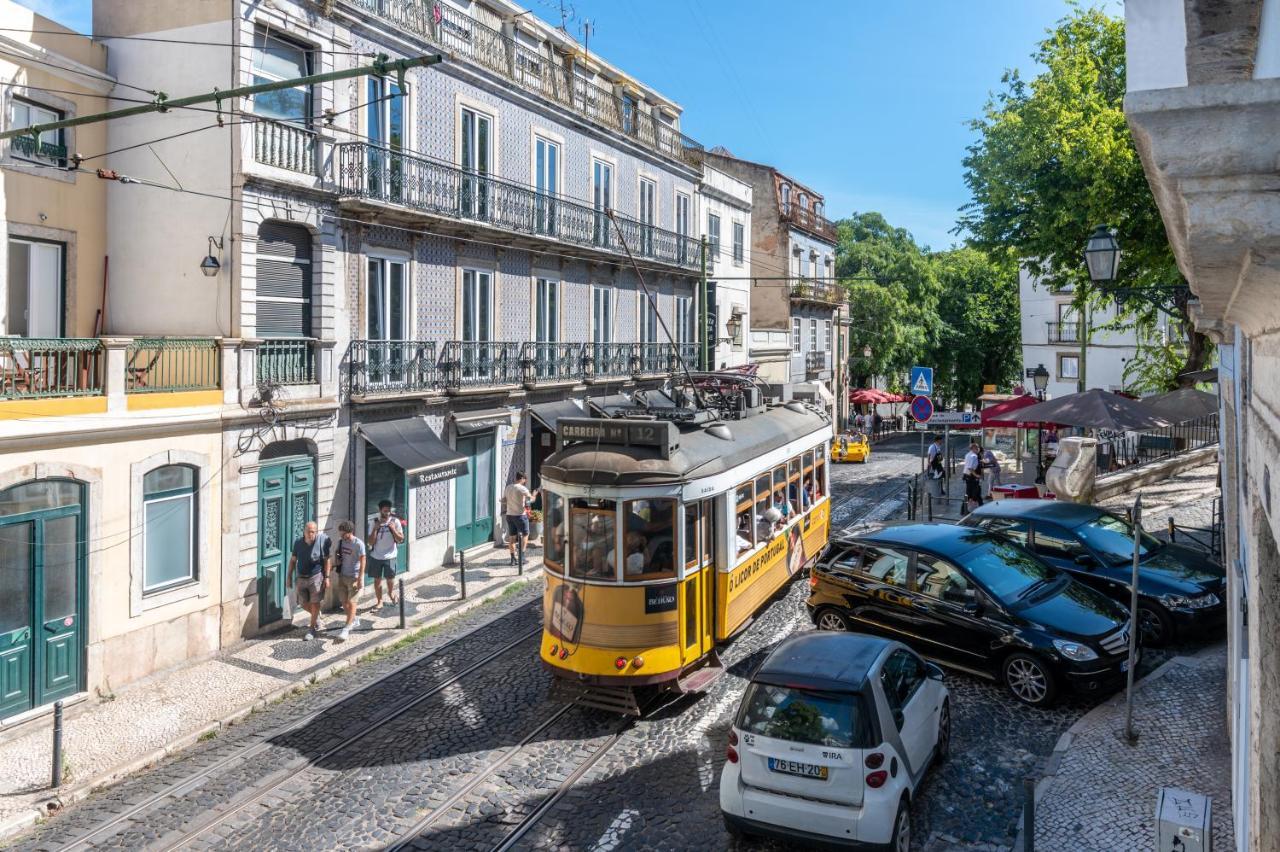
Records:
x=782, y=505
x=768, y=523
x=744, y=533
x=799, y=496
x=808, y=490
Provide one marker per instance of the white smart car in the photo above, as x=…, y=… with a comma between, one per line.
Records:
x=832, y=740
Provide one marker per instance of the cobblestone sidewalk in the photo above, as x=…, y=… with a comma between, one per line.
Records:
x=106, y=740
x=1100, y=793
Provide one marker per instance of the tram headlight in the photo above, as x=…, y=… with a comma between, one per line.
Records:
x=564, y=653
x=637, y=663
x=620, y=663
x=555, y=649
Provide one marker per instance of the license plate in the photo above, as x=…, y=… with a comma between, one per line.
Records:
x=792, y=767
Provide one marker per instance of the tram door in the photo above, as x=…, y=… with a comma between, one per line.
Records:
x=698, y=606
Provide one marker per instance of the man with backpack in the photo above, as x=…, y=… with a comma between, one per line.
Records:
x=311, y=561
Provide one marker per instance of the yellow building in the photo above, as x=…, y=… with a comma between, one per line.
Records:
x=111, y=444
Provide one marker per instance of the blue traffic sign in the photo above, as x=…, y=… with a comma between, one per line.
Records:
x=921, y=381
x=922, y=409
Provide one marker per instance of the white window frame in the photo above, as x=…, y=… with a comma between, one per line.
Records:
x=785, y=192
x=55, y=137
x=308, y=60
x=739, y=243
x=647, y=212
x=647, y=318
x=685, y=320
x=797, y=333
x=813, y=335
x=828, y=341
x=602, y=298
x=713, y=235
x=1063, y=357
x=59, y=261
x=384, y=264
x=474, y=303
x=193, y=574
x=546, y=305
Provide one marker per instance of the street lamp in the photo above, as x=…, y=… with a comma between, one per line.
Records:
x=1102, y=255
x=1040, y=379
x=210, y=266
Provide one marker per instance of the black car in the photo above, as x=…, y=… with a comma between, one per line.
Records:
x=976, y=601
x=1181, y=590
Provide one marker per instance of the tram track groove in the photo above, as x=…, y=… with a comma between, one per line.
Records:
x=262, y=791
x=266, y=741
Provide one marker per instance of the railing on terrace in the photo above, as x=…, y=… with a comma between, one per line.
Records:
x=466, y=364
x=394, y=177
x=825, y=292
x=285, y=146
x=29, y=146
x=1063, y=332
x=548, y=363
x=688, y=352
x=815, y=362
x=803, y=217
x=609, y=360
x=1128, y=449
x=47, y=367
x=287, y=361
x=460, y=34
x=392, y=366
x=651, y=358
x=169, y=364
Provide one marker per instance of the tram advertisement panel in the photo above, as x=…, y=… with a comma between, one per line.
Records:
x=566, y=614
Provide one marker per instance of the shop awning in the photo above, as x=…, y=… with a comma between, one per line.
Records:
x=604, y=403
x=470, y=422
x=1002, y=415
x=411, y=444
x=548, y=413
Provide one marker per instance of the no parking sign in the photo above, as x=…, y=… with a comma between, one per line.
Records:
x=922, y=409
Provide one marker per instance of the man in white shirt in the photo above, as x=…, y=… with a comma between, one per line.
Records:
x=385, y=535
x=515, y=500
x=972, y=481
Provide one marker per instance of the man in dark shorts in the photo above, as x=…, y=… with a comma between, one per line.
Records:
x=515, y=500
x=311, y=561
x=386, y=534
x=972, y=476
x=350, y=569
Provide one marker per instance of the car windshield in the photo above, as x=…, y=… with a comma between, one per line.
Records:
x=834, y=719
x=1006, y=570
x=1112, y=538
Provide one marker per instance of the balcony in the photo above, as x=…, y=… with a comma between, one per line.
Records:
x=461, y=36
x=172, y=365
x=51, y=368
x=817, y=292
x=286, y=361
x=370, y=178
x=30, y=148
x=392, y=366
x=1063, y=332
x=285, y=146
x=816, y=365
x=553, y=363
x=467, y=365
x=806, y=220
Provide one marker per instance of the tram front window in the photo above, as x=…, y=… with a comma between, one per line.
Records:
x=554, y=529
x=592, y=538
x=649, y=540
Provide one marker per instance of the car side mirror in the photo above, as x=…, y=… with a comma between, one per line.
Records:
x=1084, y=560
x=932, y=671
x=898, y=719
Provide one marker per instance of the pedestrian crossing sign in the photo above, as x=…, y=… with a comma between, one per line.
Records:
x=922, y=381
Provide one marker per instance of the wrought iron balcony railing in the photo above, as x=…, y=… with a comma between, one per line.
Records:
x=171, y=364
x=1063, y=332
x=469, y=364
x=819, y=292
x=816, y=362
x=550, y=363
x=462, y=36
x=408, y=180
x=807, y=220
x=608, y=360
x=285, y=146
x=287, y=361
x=48, y=367
x=392, y=366
x=32, y=148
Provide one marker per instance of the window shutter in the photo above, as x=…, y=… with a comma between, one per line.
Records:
x=283, y=281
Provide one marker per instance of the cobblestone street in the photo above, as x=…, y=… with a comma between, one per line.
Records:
x=454, y=750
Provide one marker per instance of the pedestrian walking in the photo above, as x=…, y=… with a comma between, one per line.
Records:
x=990, y=467
x=934, y=470
x=386, y=534
x=515, y=505
x=351, y=568
x=857, y=422
x=310, y=563
x=972, y=478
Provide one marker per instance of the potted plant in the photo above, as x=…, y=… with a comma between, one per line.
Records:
x=535, y=524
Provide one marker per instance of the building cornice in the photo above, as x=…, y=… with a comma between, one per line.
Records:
x=45, y=61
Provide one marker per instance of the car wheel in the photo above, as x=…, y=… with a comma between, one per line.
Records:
x=1154, y=626
x=943, y=746
x=1029, y=680
x=901, y=840
x=834, y=620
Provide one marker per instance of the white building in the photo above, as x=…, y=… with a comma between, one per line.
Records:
x=1203, y=103
x=726, y=223
x=1052, y=335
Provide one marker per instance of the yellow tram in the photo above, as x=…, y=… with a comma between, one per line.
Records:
x=667, y=529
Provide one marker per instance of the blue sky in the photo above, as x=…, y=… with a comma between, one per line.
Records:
x=864, y=100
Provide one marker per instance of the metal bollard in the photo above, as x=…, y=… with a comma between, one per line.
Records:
x=1029, y=814
x=1173, y=530
x=928, y=505
x=401, y=582
x=57, y=744
x=462, y=573
x=520, y=558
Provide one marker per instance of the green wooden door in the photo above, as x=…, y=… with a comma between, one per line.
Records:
x=42, y=559
x=286, y=501
x=473, y=492
x=385, y=480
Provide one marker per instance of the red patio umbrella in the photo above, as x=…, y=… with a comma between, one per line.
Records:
x=1001, y=415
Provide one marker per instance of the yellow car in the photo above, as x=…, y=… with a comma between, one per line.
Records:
x=851, y=448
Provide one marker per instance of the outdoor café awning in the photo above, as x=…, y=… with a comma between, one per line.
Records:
x=1183, y=404
x=548, y=413
x=470, y=422
x=1001, y=415
x=411, y=444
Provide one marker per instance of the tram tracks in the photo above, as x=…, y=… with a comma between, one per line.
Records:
x=266, y=742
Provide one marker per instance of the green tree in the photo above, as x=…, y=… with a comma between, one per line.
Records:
x=978, y=339
x=1053, y=159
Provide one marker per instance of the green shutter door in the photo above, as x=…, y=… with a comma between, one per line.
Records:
x=58, y=563
x=17, y=605
x=474, y=492
x=286, y=501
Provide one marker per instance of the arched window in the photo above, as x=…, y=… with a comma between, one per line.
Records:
x=169, y=511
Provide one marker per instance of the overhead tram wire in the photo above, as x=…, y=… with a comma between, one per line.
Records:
x=193, y=42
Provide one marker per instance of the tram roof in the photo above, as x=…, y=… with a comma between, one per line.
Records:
x=700, y=453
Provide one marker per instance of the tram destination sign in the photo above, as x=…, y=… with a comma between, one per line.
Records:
x=632, y=433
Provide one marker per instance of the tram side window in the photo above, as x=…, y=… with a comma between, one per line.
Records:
x=691, y=537
x=649, y=539
x=780, y=501
x=592, y=538
x=808, y=484
x=796, y=494
x=820, y=473
x=764, y=529
x=555, y=529
x=745, y=527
